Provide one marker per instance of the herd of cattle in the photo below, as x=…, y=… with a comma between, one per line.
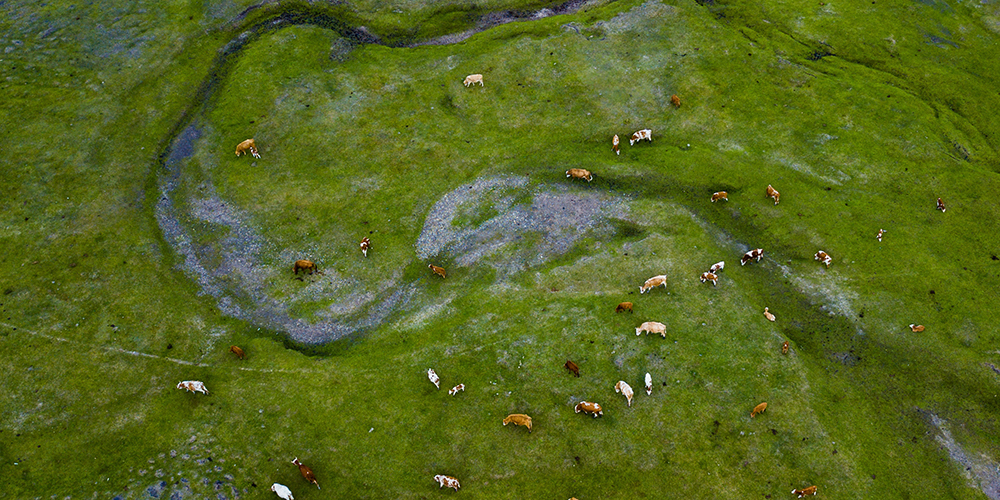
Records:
x=587, y=407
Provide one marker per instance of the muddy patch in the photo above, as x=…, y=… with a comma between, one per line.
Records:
x=981, y=472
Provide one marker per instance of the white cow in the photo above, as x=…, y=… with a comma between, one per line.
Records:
x=652, y=327
x=434, y=378
x=649, y=384
x=625, y=389
x=193, y=386
x=282, y=491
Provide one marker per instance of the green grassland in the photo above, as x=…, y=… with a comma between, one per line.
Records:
x=137, y=248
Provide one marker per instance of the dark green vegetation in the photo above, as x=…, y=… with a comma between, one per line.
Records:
x=133, y=259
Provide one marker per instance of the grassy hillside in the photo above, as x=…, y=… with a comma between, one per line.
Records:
x=138, y=248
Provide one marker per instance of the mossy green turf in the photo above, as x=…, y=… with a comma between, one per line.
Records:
x=860, y=114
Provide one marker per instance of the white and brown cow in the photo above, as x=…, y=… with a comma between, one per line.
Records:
x=655, y=281
x=433, y=376
x=718, y=266
x=193, y=386
x=721, y=195
x=580, y=173
x=652, y=327
x=448, y=481
x=940, y=205
x=640, y=135
x=473, y=79
x=878, y=236
x=649, y=384
x=714, y=278
x=768, y=315
x=614, y=145
x=823, y=257
x=454, y=390
x=625, y=389
x=588, y=407
x=773, y=193
x=754, y=254
x=365, y=245
x=803, y=492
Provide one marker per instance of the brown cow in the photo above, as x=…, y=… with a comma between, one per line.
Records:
x=808, y=491
x=247, y=145
x=758, y=410
x=624, y=306
x=518, y=419
x=304, y=265
x=306, y=472
x=437, y=270
x=784, y=348
x=580, y=173
x=588, y=407
x=940, y=205
x=571, y=366
x=721, y=195
x=916, y=328
x=237, y=351
x=676, y=101
x=773, y=193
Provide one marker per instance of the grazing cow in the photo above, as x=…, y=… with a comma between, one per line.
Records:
x=448, y=481
x=710, y=277
x=193, y=386
x=247, y=145
x=434, y=378
x=304, y=265
x=237, y=351
x=518, y=419
x=754, y=254
x=306, y=472
x=721, y=195
x=916, y=328
x=652, y=327
x=640, y=135
x=625, y=389
x=624, y=306
x=808, y=491
x=768, y=315
x=454, y=390
x=571, y=366
x=282, y=491
x=653, y=282
x=676, y=101
x=879, y=235
x=614, y=145
x=940, y=205
x=823, y=257
x=758, y=410
x=649, y=384
x=773, y=193
x=784, y=348
x=718, y=266
x=365, y=245
x=580, y=173
x=588, y=407
x=473, y=79
x=437, y=270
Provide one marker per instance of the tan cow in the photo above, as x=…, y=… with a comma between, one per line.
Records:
x=655, y=281
x=437, y=270
x=916, y=328
x=365, y=245
x=306, y=472
x=768, y=315
x=448, y=481
x=625, y=389
x=808, y=491
x=823, y=257
x=433, y=377
x=710, y=277
x=721, y=195
x=193, y=386
x=940, y=205
x=624, y=306
x=473, y=79
x=237, y=351
x=304, y=265
x=614, y=145
x=754, y=254
x=454, y=390
x=773, y=193
x=649, y=384
x=247, y=145
x=652, y=327
x=580, y=173
x=571, y=366
x=588, y=407
x=518, y=419
x=758, y=410
x=640, y=135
